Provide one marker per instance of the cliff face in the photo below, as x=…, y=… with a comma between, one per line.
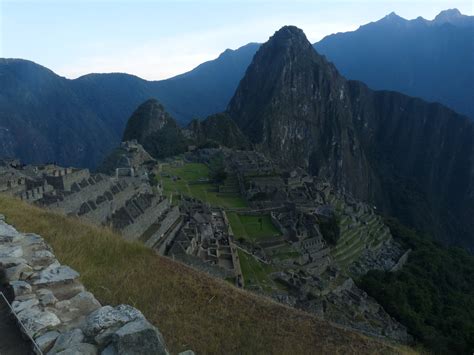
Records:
x=293, y=104
x=155, y=130
x=411, y=158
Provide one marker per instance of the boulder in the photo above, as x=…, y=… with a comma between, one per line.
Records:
x=11, y=261
x=21, y=306
x=77, y=307
x=110, y=317
x=46, y=297
x=54, y=274
x=14, y=251
x=42, y=258
x=67, y=340
x=8, y=233
x=46, y=341
x=138, y=337
x=19, y=272
x=20, y=288
x=36, y=320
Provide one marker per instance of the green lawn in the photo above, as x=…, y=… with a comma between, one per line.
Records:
x=189, y=185
x=249, y=227
x=255, y=273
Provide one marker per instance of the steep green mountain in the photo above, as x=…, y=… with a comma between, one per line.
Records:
x=42, y=118
x=410, y=158
x=45, y=117
x=218, y=129
x=152, y=127
x=432, y=60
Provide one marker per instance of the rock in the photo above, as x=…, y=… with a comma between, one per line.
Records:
x=54, y=274
x=42, y=258
x=77, y=307
x=21, y=306
x=15, y=251
x=67, y=340
x=80, y=349
x=8, y=233
x=109, y=350
x=108, y=317
x=187, y=352
x=20, y=288
x=2, y=217
x=139, y=337
x=19, y=272
x=36, y=320
x=46, y=297
x=85, y=302
x=46, y=341
x=10, y=262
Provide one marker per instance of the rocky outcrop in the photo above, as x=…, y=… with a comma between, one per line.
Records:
x=58, y=313
x=152, y=127
x=413, y=159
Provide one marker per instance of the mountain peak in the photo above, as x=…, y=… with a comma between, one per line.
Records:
x=448, y=16
x=289, y=35
x=393, y=18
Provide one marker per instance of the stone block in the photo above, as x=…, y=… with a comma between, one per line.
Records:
x=20, y=288
x=54, y=274
x=36, y=320
x=67, y=340
x=14, y=251
x=46, y=341
x=138, y=337
x=110, y=317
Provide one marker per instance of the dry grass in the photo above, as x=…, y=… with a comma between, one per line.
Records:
x=191, y=309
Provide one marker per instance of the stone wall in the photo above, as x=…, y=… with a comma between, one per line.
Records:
x=57, y=311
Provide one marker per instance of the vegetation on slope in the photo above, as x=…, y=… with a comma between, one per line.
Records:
x=191, y=309
x=433, y=294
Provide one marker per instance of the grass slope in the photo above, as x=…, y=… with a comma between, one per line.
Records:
x=191, y=309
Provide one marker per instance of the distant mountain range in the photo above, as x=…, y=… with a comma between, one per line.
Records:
x=433, y=60
x=45, y=117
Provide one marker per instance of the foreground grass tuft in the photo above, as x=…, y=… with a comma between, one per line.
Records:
x=191, y=309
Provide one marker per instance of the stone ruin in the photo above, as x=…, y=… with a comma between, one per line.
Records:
x=206, y=242
x=129, y=203
x=58, y=313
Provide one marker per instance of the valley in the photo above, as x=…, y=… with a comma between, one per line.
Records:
x=264, y=202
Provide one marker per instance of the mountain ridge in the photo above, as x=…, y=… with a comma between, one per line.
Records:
x=378, y=145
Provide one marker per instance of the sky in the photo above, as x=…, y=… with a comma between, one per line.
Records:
x=157, y=39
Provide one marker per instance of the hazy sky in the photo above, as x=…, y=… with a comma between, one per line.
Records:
x=158, y=39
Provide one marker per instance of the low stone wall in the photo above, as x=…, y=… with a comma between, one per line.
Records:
x=56, y=310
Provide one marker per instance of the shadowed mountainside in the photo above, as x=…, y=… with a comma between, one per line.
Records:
x=413, y=159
